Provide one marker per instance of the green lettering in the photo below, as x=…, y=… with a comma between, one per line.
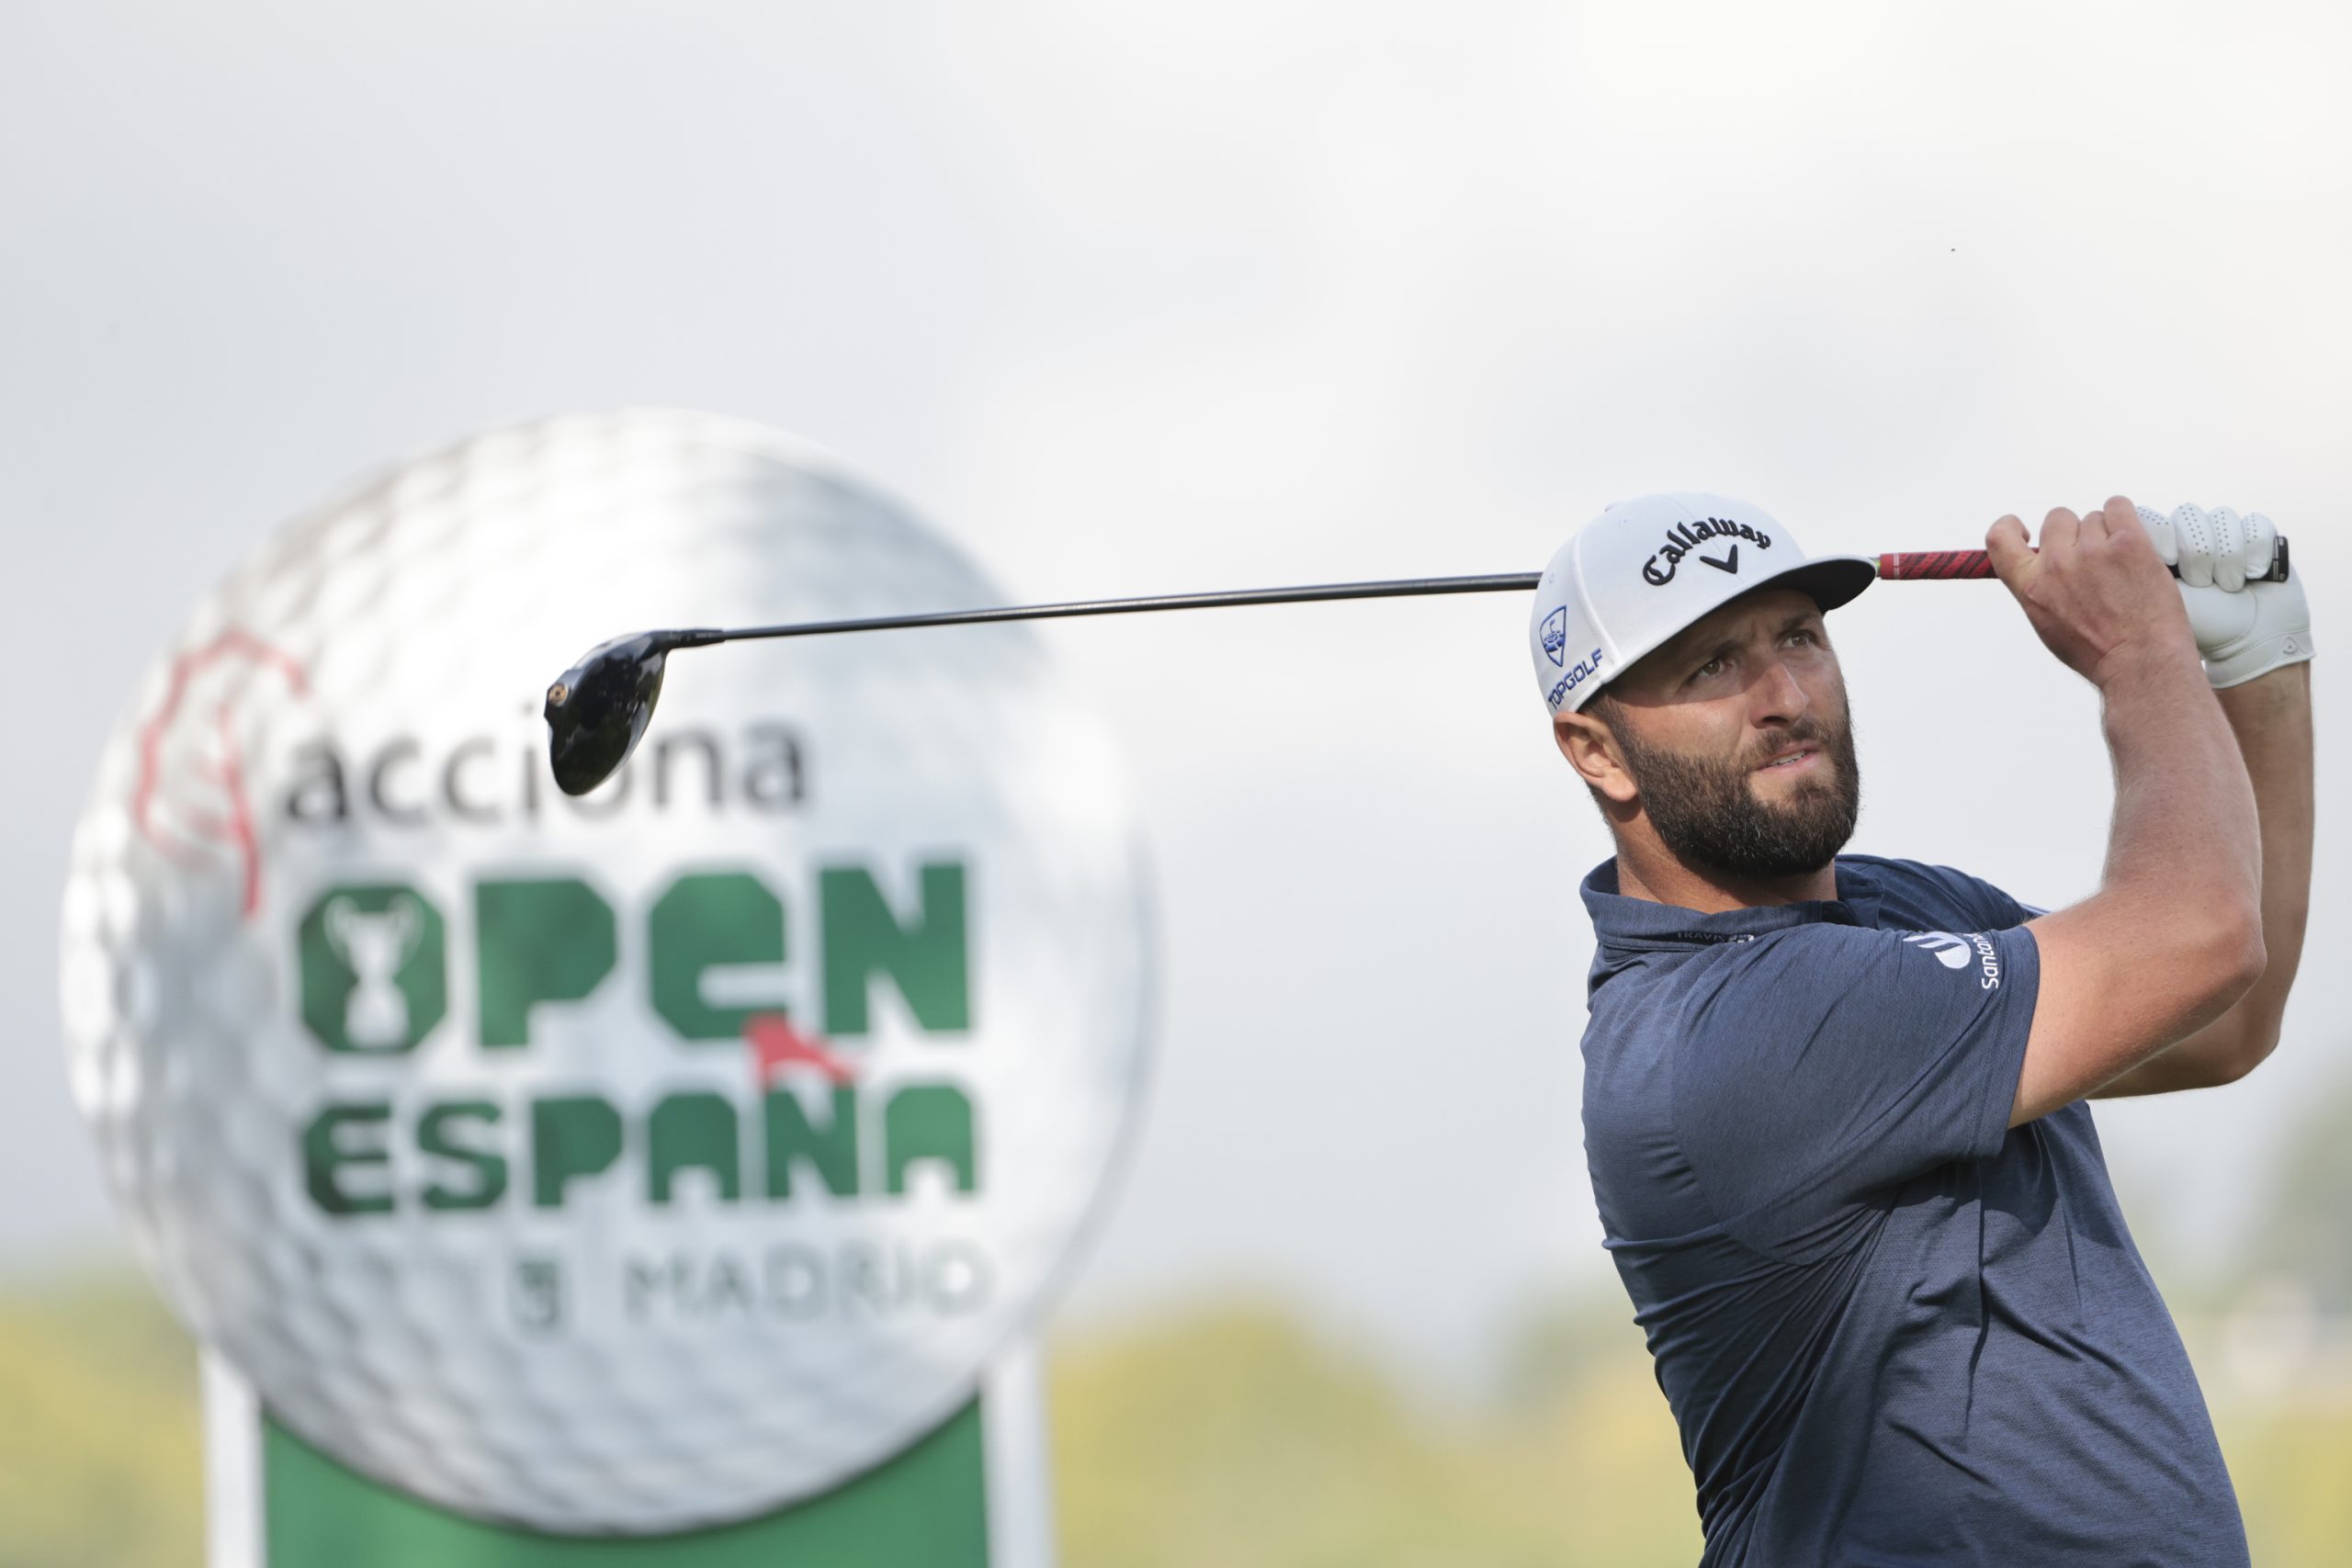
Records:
x=326, y=1152
x=542, y=940
x=708, y=918
x=929, y=1121
x=693, y=1132
x=831, y=1149
x=487, y=1167
x=571, y=1137
x=927, y=959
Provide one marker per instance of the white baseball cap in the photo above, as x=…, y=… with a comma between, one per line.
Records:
x=1643, y=569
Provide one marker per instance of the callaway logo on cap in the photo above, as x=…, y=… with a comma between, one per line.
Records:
x=1643, y=570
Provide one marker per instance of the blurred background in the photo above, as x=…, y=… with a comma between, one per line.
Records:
x=1235, y=293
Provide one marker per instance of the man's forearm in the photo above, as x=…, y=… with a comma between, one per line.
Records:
x=2271, y=716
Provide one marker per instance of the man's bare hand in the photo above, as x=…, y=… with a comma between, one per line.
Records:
x=2096, y=591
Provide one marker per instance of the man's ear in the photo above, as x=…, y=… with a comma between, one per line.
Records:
x=1585, y=740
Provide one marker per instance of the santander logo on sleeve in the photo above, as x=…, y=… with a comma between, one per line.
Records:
x=1956, y=952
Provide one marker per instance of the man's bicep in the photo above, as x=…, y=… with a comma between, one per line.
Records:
x=2111, y=998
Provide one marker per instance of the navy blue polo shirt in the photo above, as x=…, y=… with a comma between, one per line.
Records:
x=1891, y=1328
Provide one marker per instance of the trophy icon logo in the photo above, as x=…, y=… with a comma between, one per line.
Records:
x=374, y=975
x=375, y=947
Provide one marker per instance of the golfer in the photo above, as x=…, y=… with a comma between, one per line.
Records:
x=1834, y=1105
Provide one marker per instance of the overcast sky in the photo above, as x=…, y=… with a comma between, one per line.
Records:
x=1230, y=293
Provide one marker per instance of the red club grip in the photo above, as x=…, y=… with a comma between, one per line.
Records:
x=1917, y=565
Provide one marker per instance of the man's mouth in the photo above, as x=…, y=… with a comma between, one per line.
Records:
x=1792, y=759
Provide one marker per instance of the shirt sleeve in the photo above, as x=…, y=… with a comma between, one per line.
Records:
x=1824, y=1067
x=1995, y=909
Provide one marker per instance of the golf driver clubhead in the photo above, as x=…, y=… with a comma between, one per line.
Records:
x=597, y=710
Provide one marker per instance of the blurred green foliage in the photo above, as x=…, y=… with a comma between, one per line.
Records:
x=100, y=1454
x=1233, y=1439
x=2293, y=1471
x=1231, y=1435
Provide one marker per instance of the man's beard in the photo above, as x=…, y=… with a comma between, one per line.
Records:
x=1709, y=817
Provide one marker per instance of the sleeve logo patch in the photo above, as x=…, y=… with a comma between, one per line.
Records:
x=1956, y=952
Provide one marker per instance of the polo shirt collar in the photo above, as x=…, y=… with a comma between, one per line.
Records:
x=1620, y=921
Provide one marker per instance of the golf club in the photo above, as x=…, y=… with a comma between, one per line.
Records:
x=597, y=710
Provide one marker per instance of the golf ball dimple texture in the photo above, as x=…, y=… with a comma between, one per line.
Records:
x=386, y=1100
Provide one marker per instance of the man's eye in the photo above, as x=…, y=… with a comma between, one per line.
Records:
x=1712, y=667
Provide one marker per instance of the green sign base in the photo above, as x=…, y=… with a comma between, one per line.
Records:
x=928, y=1505
x=277, y=1502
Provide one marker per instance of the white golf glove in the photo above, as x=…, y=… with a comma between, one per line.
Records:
x=2244, y=630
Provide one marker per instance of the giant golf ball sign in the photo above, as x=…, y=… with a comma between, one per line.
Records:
x=630, y=1163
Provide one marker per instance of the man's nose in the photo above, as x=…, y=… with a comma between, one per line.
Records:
x=1777, y=697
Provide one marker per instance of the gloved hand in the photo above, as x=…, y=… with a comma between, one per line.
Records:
x=2244, y=630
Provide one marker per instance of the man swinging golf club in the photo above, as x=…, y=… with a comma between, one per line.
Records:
x=1833, y=1105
